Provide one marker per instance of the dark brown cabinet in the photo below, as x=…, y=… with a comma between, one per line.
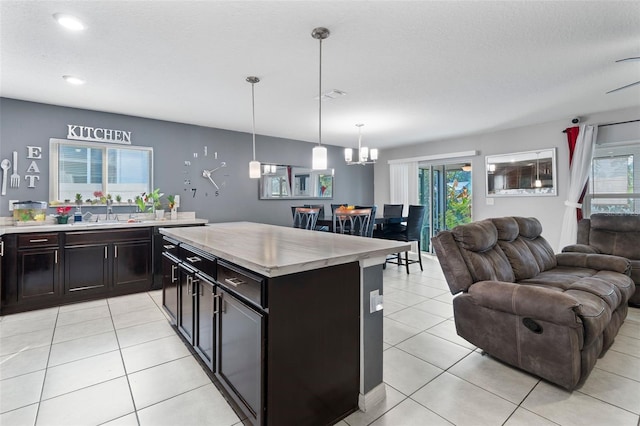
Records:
x=42, y=269
x=205, y=320
x=108, y=262
x=38, y=272
x=241, y=351
x=186, y=294
x=170, y=285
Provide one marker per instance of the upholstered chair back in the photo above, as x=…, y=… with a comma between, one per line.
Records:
x=613, y=234
x=470, y=253
x=531, y=232
x=515, y=248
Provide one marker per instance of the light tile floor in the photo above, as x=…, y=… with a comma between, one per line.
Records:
x=119, y=362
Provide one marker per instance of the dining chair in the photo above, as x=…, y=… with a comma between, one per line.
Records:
x=305, y=217
x=392, y=214
x=372, y=220
x=320, y=215
x=408, y=233
x=353, y=222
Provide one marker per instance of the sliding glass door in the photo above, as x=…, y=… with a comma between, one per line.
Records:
x=446, y=191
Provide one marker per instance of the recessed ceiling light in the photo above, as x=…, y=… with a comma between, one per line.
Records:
x=69, y=22
x=71, y=79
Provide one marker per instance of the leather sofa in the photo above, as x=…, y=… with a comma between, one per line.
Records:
x=549, y=314
x=617, y=234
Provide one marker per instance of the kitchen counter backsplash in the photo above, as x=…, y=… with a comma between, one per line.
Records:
x=50, y=219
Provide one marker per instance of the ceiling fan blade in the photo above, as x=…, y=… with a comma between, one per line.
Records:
x=623, y=87
x=633, y=58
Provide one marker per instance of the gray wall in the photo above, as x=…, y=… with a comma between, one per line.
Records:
x=26, y=123
x=549, y=210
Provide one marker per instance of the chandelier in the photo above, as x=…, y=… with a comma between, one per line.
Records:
x=365, y=155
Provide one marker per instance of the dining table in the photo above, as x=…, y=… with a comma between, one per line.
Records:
x=326, y=221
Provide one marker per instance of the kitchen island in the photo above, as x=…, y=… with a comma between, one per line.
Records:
x=292, y=322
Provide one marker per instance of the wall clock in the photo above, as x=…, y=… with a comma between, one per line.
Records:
x=220, y=183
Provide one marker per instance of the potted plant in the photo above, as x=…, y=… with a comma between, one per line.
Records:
x=141, y=203
x=154, y=198
x=63, y=214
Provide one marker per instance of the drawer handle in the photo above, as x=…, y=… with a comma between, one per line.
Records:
x=39, y=240
x=174, y=268
x=194, y=259
x=169, y=247
x=216, y=306
x=234, y=281
x=1, y=248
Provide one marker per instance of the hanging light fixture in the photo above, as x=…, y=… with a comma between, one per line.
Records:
x=365, y=155
x=319, y=159
x=466, y=167
x=254, y=166
x=538, y=183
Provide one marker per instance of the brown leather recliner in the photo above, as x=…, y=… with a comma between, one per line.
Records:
x=617, y=234
x=551, y=315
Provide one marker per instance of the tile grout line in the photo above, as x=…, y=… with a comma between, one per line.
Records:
x=46, y=370
x=124, y=367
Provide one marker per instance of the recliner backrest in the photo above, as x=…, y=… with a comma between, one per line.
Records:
x=482, y=256
x=617, y=234
x=530, y=230
x=515, y=248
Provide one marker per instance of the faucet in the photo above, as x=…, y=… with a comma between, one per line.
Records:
x=109, y=210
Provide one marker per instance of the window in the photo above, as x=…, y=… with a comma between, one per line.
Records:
x=614, y=184
x=86, y=167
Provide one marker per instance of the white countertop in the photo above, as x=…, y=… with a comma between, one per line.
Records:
x=85, y=226
x=277, y=250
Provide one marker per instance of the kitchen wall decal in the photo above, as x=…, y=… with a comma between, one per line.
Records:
x=98, y=134
x=33, y=153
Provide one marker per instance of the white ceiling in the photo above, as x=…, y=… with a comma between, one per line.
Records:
x=413, y=71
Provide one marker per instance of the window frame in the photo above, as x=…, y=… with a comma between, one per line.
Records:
x=54, y=162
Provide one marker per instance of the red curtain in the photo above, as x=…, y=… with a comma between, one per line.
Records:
x=572, y=137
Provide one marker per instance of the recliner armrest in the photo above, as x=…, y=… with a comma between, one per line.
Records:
x=600, y=262
x=580, y=248
x=527, y=301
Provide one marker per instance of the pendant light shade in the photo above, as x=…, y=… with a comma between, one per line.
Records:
x=254, y=166
x=319, y=159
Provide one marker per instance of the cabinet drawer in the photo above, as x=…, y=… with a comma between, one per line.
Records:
x=241, y=282
x=37, y=240
x=198, y=259
x=170, y=246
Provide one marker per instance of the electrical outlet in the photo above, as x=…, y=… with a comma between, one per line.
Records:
x=176, y=200
x=11, y=204
x=375, y=301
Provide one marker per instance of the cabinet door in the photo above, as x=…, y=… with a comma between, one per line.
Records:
x=170, y=279
x=38, y=273
x=240, y=352
x=132, y=266
x=186, y=300
x=86, y=269
x=205, y=320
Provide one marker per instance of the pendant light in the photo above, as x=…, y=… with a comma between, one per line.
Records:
x=319, y=159
x=254, y=166
x=365, y=155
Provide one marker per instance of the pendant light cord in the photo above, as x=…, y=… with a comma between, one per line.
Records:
x=320, y=98
x=253, y=113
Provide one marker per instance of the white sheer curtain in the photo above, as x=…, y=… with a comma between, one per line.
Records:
x=404, y=184
x=578, y=175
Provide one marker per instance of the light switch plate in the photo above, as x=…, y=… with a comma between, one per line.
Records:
x=11, y=204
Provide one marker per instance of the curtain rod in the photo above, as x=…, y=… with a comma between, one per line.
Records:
x=611, y=124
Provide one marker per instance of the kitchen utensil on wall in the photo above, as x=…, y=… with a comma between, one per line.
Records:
x=15, y=177
x=5, y=165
